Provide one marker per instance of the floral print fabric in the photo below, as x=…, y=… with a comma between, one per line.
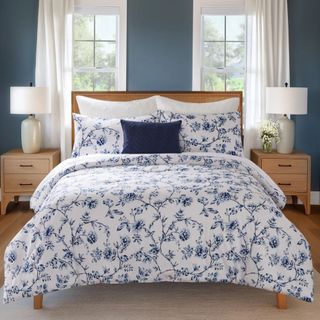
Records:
x=98, y=135
x=220, y=133
x=151, y=218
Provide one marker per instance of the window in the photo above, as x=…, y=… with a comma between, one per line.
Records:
x=219, y=48
x=95, y=52
x=223, y=53
x=99, y=48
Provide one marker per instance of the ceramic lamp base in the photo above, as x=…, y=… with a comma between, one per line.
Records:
x=31, y=135
x=286, y=135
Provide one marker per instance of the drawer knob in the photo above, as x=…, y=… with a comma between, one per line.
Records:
x=26, y=165
x=284, y=184
x=25, y=184
x=285, y=165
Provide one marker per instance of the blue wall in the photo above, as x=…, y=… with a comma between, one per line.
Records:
x=18, y=29
x=160, y=58
x=304, y=27
x=159, y=45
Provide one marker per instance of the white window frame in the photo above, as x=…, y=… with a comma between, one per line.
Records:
x=114, y=7
x=214, y=7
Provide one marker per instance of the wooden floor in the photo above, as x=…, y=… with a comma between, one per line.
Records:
x=20, y=214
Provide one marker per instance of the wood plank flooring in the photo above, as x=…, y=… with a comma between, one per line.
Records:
x=20, y=214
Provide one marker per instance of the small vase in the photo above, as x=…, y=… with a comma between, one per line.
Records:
x=267, y=146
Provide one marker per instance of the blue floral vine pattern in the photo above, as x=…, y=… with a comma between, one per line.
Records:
x=98, y=135
x=149, y=218
x=219, y=133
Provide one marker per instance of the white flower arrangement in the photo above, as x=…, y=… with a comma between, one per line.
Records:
x=269, y=131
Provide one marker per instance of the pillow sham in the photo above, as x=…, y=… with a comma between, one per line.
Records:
x=220, y=133
x=143, y=137
x=224, y=106
x=98, y=135
x=116, y=109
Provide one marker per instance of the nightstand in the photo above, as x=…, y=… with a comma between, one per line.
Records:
x=21, y=173
x=292, y=173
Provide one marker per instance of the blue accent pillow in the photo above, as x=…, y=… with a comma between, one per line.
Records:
x=142, y=137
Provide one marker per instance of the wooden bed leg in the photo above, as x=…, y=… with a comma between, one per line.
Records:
x=282, y=301
x=37, y=302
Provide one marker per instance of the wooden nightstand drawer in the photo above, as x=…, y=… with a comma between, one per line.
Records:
x=22, y=172
x=22, y=183
x=26, y=166
x=291, y=183
x=299, y=166
x=292, y=172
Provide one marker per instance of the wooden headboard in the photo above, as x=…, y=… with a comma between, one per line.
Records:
x=185, y=96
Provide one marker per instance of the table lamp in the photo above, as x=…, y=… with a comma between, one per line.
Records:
x=30, y=100
x=285, y=100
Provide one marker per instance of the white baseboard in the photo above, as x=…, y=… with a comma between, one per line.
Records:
x=22, y=198
x=315, y=198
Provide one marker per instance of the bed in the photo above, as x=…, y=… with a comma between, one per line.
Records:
x=185, y=217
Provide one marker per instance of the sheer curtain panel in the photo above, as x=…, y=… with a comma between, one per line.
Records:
x=54, y=69
x=267, y=60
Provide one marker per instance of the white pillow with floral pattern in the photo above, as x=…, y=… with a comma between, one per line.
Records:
x=220, y=133
x=98, y=135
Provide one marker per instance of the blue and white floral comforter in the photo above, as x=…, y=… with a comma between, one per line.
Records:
x=150, y=218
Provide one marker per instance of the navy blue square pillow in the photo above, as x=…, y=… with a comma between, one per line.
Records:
x=146, y=137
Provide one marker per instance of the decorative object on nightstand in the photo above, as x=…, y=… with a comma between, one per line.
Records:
x=269, y=133
x=21, y=173
x=30, y=100
x=291, y=172
x=286, y=101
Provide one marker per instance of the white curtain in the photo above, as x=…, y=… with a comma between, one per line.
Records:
x=267, y=60
x=54, y=69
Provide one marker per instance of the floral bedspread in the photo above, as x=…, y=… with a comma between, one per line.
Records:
x=151, y=218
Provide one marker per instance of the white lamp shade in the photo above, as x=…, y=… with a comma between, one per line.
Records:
x=29, y=100
x=283, y=100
